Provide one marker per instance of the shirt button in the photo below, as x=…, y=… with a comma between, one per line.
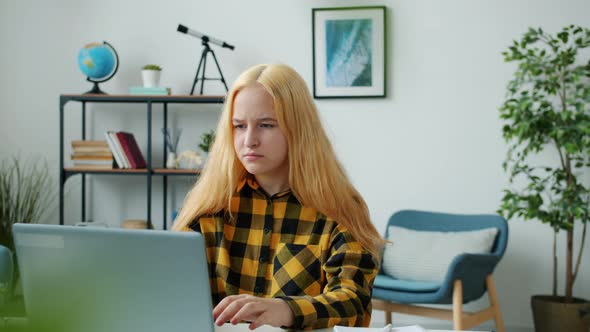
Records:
x=266, y=230
x=258, y=289
x=262, y=259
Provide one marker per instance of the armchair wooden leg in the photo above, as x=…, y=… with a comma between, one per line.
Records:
x=387, y=316
x=457, y=306
x=494, y=303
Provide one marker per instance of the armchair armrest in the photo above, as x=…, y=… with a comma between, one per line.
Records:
x=472, y=270
x=6, y=272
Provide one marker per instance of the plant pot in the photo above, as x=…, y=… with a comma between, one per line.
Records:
x=151, y=78
x=552, y=313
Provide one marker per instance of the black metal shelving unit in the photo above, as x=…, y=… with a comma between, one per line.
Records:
x=148, y=172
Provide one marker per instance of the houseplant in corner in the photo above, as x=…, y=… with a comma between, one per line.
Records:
x=25, y=196
x=547, y=110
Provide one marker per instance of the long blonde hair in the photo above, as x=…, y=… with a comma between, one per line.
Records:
x=316, y=177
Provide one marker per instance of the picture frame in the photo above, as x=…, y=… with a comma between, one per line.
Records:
x=349, y=52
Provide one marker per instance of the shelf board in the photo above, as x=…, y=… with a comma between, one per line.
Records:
x=83, y=169
x=203, y=99
x=131, y=171
x=176, y=171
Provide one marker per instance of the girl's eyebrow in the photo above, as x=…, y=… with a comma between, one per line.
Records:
x=266, y=118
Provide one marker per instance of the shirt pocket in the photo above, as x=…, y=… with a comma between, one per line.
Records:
x=297, y=270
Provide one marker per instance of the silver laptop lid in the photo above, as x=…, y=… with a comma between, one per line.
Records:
x=100, y=279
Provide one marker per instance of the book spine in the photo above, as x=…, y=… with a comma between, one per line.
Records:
x=77, y=153
x=94, y=162
x=86, y=167
x=131, y=150
x=90, y=150
x=77, y=157
x=114, y=150
x=124, y=158
x=135, y=151
x=79, y=143
x=119, y=147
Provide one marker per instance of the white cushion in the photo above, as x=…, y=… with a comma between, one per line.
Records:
x=426, y=256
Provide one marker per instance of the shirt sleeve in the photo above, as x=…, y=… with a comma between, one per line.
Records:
x=346, y=300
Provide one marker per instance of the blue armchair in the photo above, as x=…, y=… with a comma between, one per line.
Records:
x=6, y=271
x=469, y=275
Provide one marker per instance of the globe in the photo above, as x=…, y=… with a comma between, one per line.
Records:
x=99, y=62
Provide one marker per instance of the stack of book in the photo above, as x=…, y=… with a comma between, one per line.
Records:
x=140, y=90
x=125, y=149
x=92, y=154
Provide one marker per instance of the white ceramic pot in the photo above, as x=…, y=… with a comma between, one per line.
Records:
x=151, y=78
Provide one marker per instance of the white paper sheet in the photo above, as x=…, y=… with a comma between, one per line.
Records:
x=411, y=328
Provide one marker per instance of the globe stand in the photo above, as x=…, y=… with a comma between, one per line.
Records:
x=95, y=89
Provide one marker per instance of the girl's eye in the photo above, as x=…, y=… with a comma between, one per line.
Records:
x=239, y=126
x=267, y=125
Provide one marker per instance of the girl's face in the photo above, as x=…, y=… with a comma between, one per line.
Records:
x=259, y=143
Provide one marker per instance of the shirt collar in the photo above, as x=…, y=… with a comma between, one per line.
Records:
x=251, y=182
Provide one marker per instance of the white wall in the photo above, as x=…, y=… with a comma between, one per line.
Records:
x=434, y=143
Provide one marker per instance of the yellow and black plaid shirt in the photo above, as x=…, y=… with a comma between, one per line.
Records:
x=278, y=248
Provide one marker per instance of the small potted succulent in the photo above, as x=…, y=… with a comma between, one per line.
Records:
x=150, y=75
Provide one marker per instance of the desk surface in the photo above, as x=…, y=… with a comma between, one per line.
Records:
x=20, y=322
x=266, y=328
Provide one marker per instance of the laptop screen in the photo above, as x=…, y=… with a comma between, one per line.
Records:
x=99, y=279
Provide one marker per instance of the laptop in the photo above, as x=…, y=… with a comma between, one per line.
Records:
x=99, y=279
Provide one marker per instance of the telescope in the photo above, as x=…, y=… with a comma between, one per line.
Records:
x=189, y=31
x=203, y=62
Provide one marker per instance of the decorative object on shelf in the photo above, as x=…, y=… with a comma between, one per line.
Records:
x=207, y=139
x=206, y=143
x=348, y=52
x=171, y=141
x=135, y=224
x=150, y=75
x=206, y=50
x=99, y=62
x=547, y=109
x=171, y=160
x=192, y=158
x=140, y=90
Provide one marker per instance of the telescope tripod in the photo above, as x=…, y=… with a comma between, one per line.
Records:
x=202, y=64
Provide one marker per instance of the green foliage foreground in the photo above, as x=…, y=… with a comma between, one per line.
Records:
x=25, y=194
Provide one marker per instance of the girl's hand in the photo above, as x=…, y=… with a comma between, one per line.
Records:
x=259, y=311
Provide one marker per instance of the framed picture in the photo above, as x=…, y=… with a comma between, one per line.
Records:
x=348, y=52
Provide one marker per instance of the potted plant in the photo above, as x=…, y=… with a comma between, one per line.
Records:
x=207, y=139
x=25, y=196
x=547, y=110
x=150, y=75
